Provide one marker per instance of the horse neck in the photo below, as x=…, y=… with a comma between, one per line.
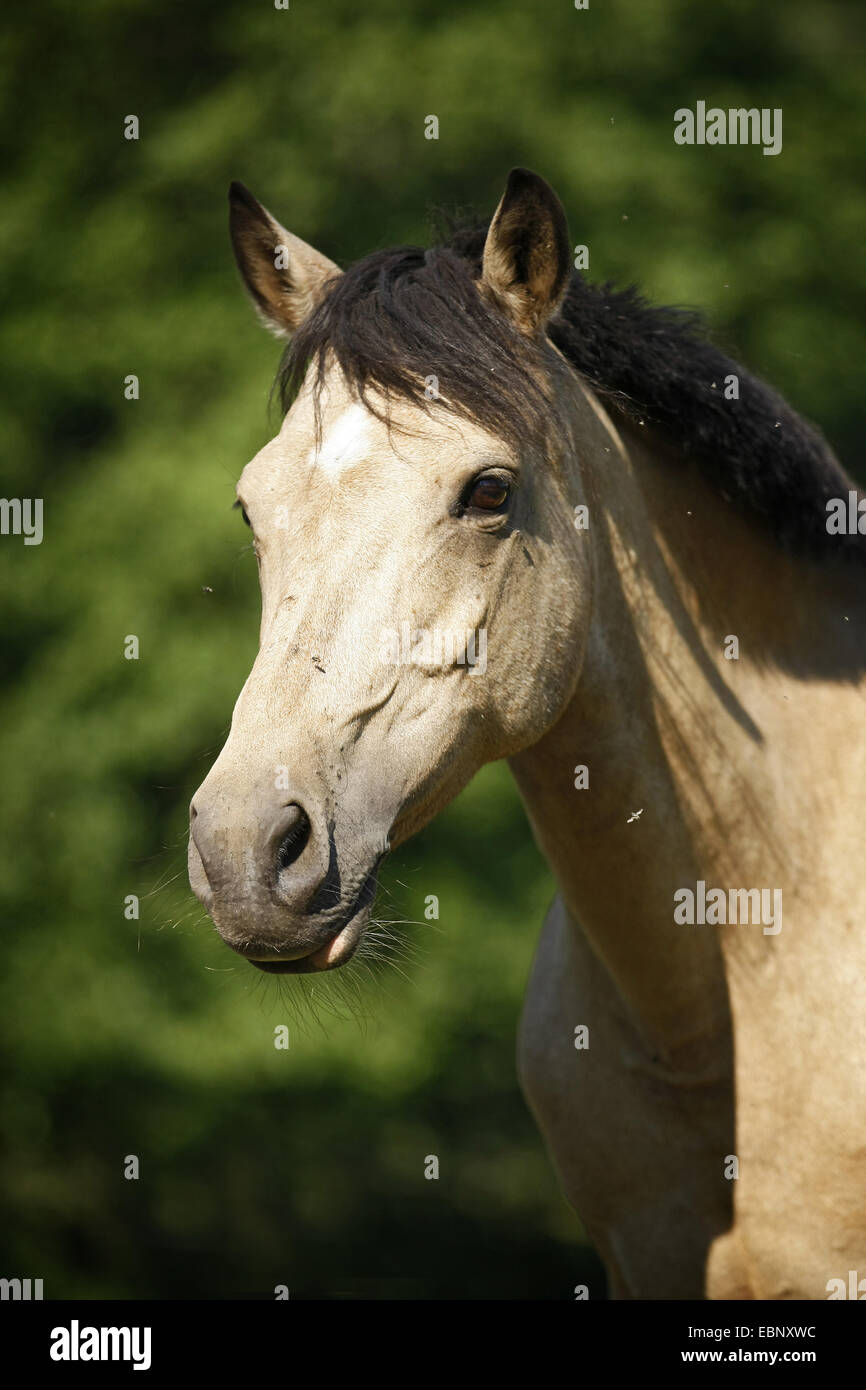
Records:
x=680, y=743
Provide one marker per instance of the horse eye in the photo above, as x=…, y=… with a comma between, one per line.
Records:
x=488, y=494
x=238, y=506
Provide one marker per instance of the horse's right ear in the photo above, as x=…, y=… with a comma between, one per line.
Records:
x=526, y=255
x=284, y=276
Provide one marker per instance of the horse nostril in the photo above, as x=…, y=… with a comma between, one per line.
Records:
x=294, y=842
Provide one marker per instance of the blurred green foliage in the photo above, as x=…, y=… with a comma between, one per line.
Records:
x=305, y=1167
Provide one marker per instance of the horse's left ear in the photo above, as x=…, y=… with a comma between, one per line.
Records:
x=285, y=277
x=527, y=256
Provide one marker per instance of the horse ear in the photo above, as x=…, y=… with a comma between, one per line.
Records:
x=527, y=260
x=284, y=276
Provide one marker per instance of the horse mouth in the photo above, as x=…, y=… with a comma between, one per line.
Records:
x=336, y=951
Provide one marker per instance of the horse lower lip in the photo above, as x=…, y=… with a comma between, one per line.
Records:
x=331, y=952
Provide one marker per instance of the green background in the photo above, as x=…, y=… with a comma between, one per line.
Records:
x=305, y=1167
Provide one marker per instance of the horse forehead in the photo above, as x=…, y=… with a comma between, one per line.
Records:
x=347, y=439
x=354, y=440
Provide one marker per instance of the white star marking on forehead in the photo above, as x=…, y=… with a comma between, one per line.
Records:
x=347, y=442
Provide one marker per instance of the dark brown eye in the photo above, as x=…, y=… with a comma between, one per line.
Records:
x=488, y=494
x=239, y=506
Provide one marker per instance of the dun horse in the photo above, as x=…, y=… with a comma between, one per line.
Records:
x=667, y=565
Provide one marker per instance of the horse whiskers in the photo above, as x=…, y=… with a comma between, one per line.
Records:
x=161, y=887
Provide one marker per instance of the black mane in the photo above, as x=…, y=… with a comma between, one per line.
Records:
x=400, y=316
